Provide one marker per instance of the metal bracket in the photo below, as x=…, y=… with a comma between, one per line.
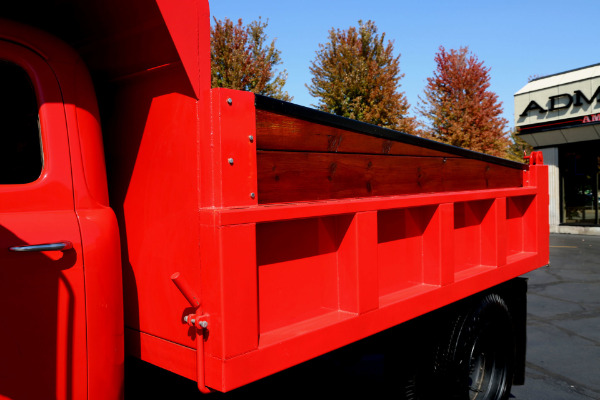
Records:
x=535, y=158
x=196, y=320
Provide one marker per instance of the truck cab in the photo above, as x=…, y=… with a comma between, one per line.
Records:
x=60, y=281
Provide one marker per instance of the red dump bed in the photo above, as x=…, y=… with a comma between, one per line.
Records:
x=312, y=231
x=352, y=229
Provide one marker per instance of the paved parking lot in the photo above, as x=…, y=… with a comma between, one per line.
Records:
x=563, y=357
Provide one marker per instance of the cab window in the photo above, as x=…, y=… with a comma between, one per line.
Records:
x=20, y=146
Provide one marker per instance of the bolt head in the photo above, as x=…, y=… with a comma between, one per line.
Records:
x=229, y=101
x=230, y=161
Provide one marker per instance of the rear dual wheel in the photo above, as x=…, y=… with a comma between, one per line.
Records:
x=475, y=360
x=470, y=356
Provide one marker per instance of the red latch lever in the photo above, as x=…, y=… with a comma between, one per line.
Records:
x=186, y=289
x=197, y=320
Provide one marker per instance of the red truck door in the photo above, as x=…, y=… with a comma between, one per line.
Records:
x=42, y=309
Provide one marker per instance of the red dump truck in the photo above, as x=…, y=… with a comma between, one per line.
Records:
x=226, y=236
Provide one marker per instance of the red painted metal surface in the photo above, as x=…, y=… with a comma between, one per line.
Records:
x=42, y=293
x=99, y=232
x=76, y=338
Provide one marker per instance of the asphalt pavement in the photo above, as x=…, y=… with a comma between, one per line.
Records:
x=563, y=343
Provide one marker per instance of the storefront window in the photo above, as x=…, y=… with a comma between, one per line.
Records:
x=579, y=166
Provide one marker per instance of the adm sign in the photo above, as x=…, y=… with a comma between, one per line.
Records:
x=561, y=102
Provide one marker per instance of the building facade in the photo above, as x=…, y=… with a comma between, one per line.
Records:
x=560, y=116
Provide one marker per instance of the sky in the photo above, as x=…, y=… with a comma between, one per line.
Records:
x=516, y=39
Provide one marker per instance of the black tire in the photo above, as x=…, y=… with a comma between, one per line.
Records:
x=474, y=359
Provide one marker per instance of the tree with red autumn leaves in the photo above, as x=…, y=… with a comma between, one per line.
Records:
x=241, y=59
x=356, y=75
x=461, y=109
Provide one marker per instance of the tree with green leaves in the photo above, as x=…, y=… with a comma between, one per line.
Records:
x=356, y=75
x=517, y=147
x=241, y=59
x=460, y=108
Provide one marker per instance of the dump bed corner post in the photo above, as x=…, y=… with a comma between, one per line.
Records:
x=229, y=277
x=537, y=176
x=228, y=151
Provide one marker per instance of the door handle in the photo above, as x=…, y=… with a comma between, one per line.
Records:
x=59, y=246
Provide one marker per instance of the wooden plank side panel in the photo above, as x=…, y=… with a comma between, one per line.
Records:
x=302, y=176
x=281, y=132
